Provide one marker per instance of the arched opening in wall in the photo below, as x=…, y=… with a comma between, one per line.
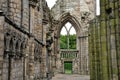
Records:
x=68, y=46
x=68, y=37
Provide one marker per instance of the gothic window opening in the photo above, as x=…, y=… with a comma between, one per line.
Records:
x=68, y=37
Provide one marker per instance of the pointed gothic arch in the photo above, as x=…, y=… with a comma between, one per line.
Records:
x=69, y=52
x=67, y=17
x=68, y=37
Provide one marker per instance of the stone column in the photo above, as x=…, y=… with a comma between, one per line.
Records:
x=53, y=64
x=55, y=56
x=59, y=61
x=25, y=62
x=1, y=3
x=43, y=63
x=31, y=19
x=87, y=56
x=1, y=43
x=104, y=51
x=31, y=39
x=31, y=59
x=81, y=55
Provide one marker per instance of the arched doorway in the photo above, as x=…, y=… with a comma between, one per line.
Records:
x=67, y=47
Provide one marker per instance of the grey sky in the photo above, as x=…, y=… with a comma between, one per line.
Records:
x=51, y=3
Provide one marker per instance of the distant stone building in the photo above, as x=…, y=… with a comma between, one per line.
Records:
x=29, y=37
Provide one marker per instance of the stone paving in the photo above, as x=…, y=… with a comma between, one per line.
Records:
x=70, y=77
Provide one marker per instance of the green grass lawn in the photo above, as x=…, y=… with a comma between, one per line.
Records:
x=68, y=72
x=68, y=67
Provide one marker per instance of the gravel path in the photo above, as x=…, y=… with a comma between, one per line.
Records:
x=70, y=77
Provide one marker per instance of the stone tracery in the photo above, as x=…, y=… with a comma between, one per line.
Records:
x=14, y=43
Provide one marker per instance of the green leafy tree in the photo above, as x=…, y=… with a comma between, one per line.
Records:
x=63, y=41
x=72, y=41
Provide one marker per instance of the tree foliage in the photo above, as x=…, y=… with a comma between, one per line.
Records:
x=64, y=41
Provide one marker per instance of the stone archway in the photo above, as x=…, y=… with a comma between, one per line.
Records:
x=78, y=13
x=67, y=17
x=77, y=64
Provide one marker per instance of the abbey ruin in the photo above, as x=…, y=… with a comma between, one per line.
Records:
x=30, y=39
